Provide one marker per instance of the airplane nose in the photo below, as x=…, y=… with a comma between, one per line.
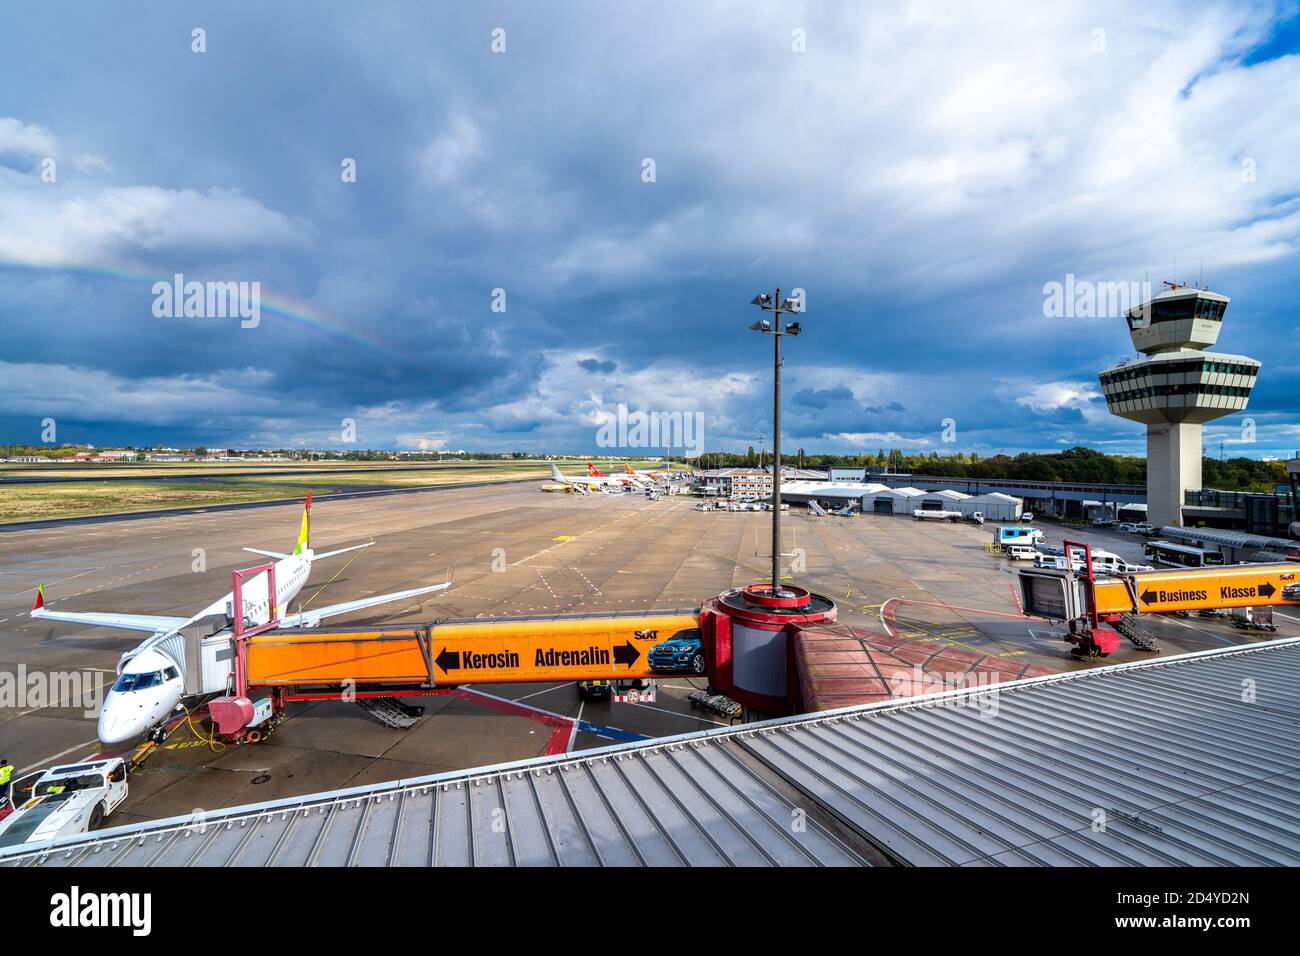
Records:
x=116, y=727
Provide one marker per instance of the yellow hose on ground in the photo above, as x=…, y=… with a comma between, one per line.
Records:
x=215, y=745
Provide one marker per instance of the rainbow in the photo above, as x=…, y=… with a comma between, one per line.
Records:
x=299, y=312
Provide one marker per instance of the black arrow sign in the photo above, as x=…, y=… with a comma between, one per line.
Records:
x=626, y=653
x=448, y=660
x=1148, y=596
x=1266, y=589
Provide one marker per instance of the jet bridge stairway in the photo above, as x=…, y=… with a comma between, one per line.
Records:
x=391, y=712
x=1138, y=635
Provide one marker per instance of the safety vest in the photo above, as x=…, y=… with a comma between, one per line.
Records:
x=6, y=772
x=57, y=788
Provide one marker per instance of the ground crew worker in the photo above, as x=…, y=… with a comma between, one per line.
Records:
x=6, y=774
x=55, y=788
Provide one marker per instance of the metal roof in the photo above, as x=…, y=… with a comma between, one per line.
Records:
x=1231, y=539
x=1189, y=760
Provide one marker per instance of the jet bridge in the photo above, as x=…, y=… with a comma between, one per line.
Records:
x=475, y=650
x=1100, y=608
x=743, y=637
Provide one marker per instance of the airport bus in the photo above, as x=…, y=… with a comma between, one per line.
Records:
x=1182, y=555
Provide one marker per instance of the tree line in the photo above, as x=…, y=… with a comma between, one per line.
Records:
x=1071, y=465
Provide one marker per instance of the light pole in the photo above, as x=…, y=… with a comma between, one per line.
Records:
x=774, y=328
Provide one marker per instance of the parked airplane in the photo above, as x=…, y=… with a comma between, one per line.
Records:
x=650, y=474
x=150, y=681
x=596, y=482
x=626, y=480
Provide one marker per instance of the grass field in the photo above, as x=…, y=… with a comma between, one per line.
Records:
x=43, y=501
x=170, y=469
x=39, y=502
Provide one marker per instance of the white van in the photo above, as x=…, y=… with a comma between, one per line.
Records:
x=1103, y=562
x=1021, y=552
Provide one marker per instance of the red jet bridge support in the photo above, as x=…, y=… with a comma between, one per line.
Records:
x=1092, y=635
x=234, y=712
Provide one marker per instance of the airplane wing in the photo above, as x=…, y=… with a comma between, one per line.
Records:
x=313, y=616
x=330, y=554
x=129, y=622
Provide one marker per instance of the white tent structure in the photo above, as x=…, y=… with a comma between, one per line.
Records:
x=943, y=500
x=837, y=494
x=994, y=505
x=875, y=498
x=890, y=501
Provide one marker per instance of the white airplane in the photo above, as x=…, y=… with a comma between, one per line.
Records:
x=150, y=683
x=593, y=481
x=653, y=475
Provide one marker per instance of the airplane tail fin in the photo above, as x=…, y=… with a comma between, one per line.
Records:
x=629, y=469
x=555, y=473
x=594, y=471
x=305, y=531
x=40, y=597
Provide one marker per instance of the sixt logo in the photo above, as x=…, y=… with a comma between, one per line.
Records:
x=76, y=909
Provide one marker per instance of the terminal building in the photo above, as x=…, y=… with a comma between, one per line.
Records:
x=1175, y=388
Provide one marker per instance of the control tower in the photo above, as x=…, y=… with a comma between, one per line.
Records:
x=1175, y=387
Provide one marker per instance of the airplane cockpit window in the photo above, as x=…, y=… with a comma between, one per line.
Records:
x=130, y=682
x=171, y=673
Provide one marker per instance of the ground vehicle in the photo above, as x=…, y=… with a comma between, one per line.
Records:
x=1022, y=552
x=1136, y=527
x=1103, y=522
x=1253, y=618
x=683, y=653
x=1181, y=555
x=1015, y=534
x=1027, y=516
x=1127, y=526
x=614, y=689
x=922, y=514
x=1103, y=562
x=975, y=517
x=72, y=798
x=595, y=689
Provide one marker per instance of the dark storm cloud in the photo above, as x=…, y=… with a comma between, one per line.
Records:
x=500, y=235
x=821, y=397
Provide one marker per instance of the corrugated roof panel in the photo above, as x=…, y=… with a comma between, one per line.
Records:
x=1178, y=767
x=1191, y=760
